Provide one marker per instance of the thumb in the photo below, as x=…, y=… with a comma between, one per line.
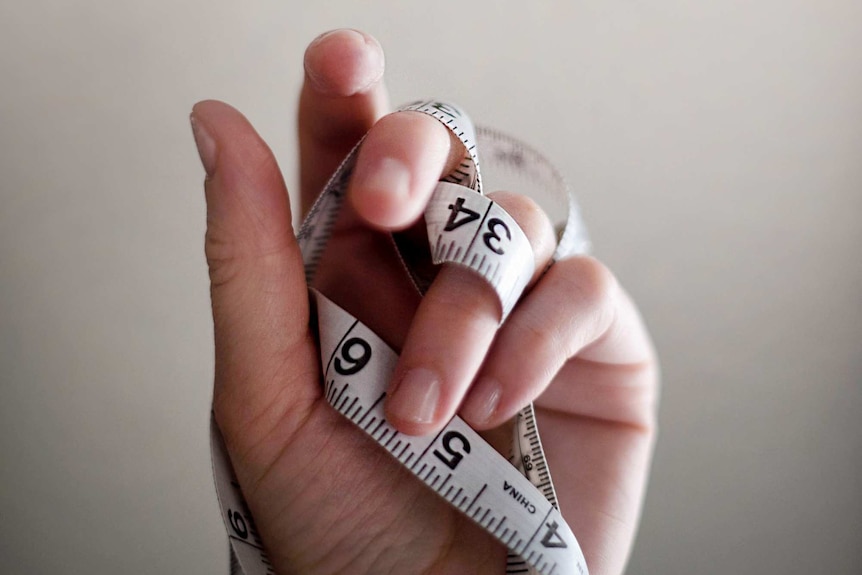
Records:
x=266, y=365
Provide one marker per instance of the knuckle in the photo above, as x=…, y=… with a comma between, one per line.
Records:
x=390, y=128
x=393, y=130
x=463, y=294
x=532, y=219
x=221, y=256
x=230, y=254
x=589, y=280
x=533, y=333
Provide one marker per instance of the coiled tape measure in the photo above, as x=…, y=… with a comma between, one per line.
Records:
x=513, y=500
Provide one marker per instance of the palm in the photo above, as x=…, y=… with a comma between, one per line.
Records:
x=352, y=504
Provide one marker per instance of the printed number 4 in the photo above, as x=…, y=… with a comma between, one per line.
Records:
x=458, y=208
x=491, y=237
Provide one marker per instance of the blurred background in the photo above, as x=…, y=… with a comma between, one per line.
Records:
x=715, y=150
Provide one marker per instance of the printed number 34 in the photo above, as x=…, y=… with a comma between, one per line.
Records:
x=494, y=226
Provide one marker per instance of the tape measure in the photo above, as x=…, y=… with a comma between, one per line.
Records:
x=514, y=499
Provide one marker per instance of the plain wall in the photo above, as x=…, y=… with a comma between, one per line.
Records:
x=714, y=147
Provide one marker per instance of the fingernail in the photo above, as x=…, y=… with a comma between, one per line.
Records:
x=206, y=145
x=329, y=33
x=387, y=175
x=360, y=62
x=484, y=401
x=416, y=396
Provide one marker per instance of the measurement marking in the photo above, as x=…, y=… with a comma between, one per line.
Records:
x=404, y=448
x=450, y=247
x=386, y=431
x=344, y=399
x=445, y=481
x=391, y=439
x=542, y=566
x=246, y=541
x=351, y=406
x=370, y=409
x=458, y=494
x=476, y=498
x=430, y=445
x=338, y=397
x=519, y=543
x=378, y=426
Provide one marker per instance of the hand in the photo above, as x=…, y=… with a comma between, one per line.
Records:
x=325, y=498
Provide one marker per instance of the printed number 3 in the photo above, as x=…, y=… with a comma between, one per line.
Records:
x=491, y=235
x=491, y=238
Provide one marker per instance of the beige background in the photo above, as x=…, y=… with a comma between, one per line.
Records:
x=715, y=148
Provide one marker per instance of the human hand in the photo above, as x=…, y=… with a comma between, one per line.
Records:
x=325, y=498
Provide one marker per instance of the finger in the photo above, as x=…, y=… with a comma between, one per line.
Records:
x=577, y=309
x=451, y=332
x=265, y=360
x=343, y=95
x=399, y=164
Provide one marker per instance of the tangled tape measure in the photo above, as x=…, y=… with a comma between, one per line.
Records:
x=513, y=500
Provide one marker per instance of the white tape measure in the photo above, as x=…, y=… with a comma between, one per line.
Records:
x=512, y=500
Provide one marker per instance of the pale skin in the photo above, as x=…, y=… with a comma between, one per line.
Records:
x=325, y=498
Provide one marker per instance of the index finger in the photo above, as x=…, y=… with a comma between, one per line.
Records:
x=342, y=97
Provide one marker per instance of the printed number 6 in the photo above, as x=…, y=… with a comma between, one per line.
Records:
x=348, y=364
x=237, y=521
